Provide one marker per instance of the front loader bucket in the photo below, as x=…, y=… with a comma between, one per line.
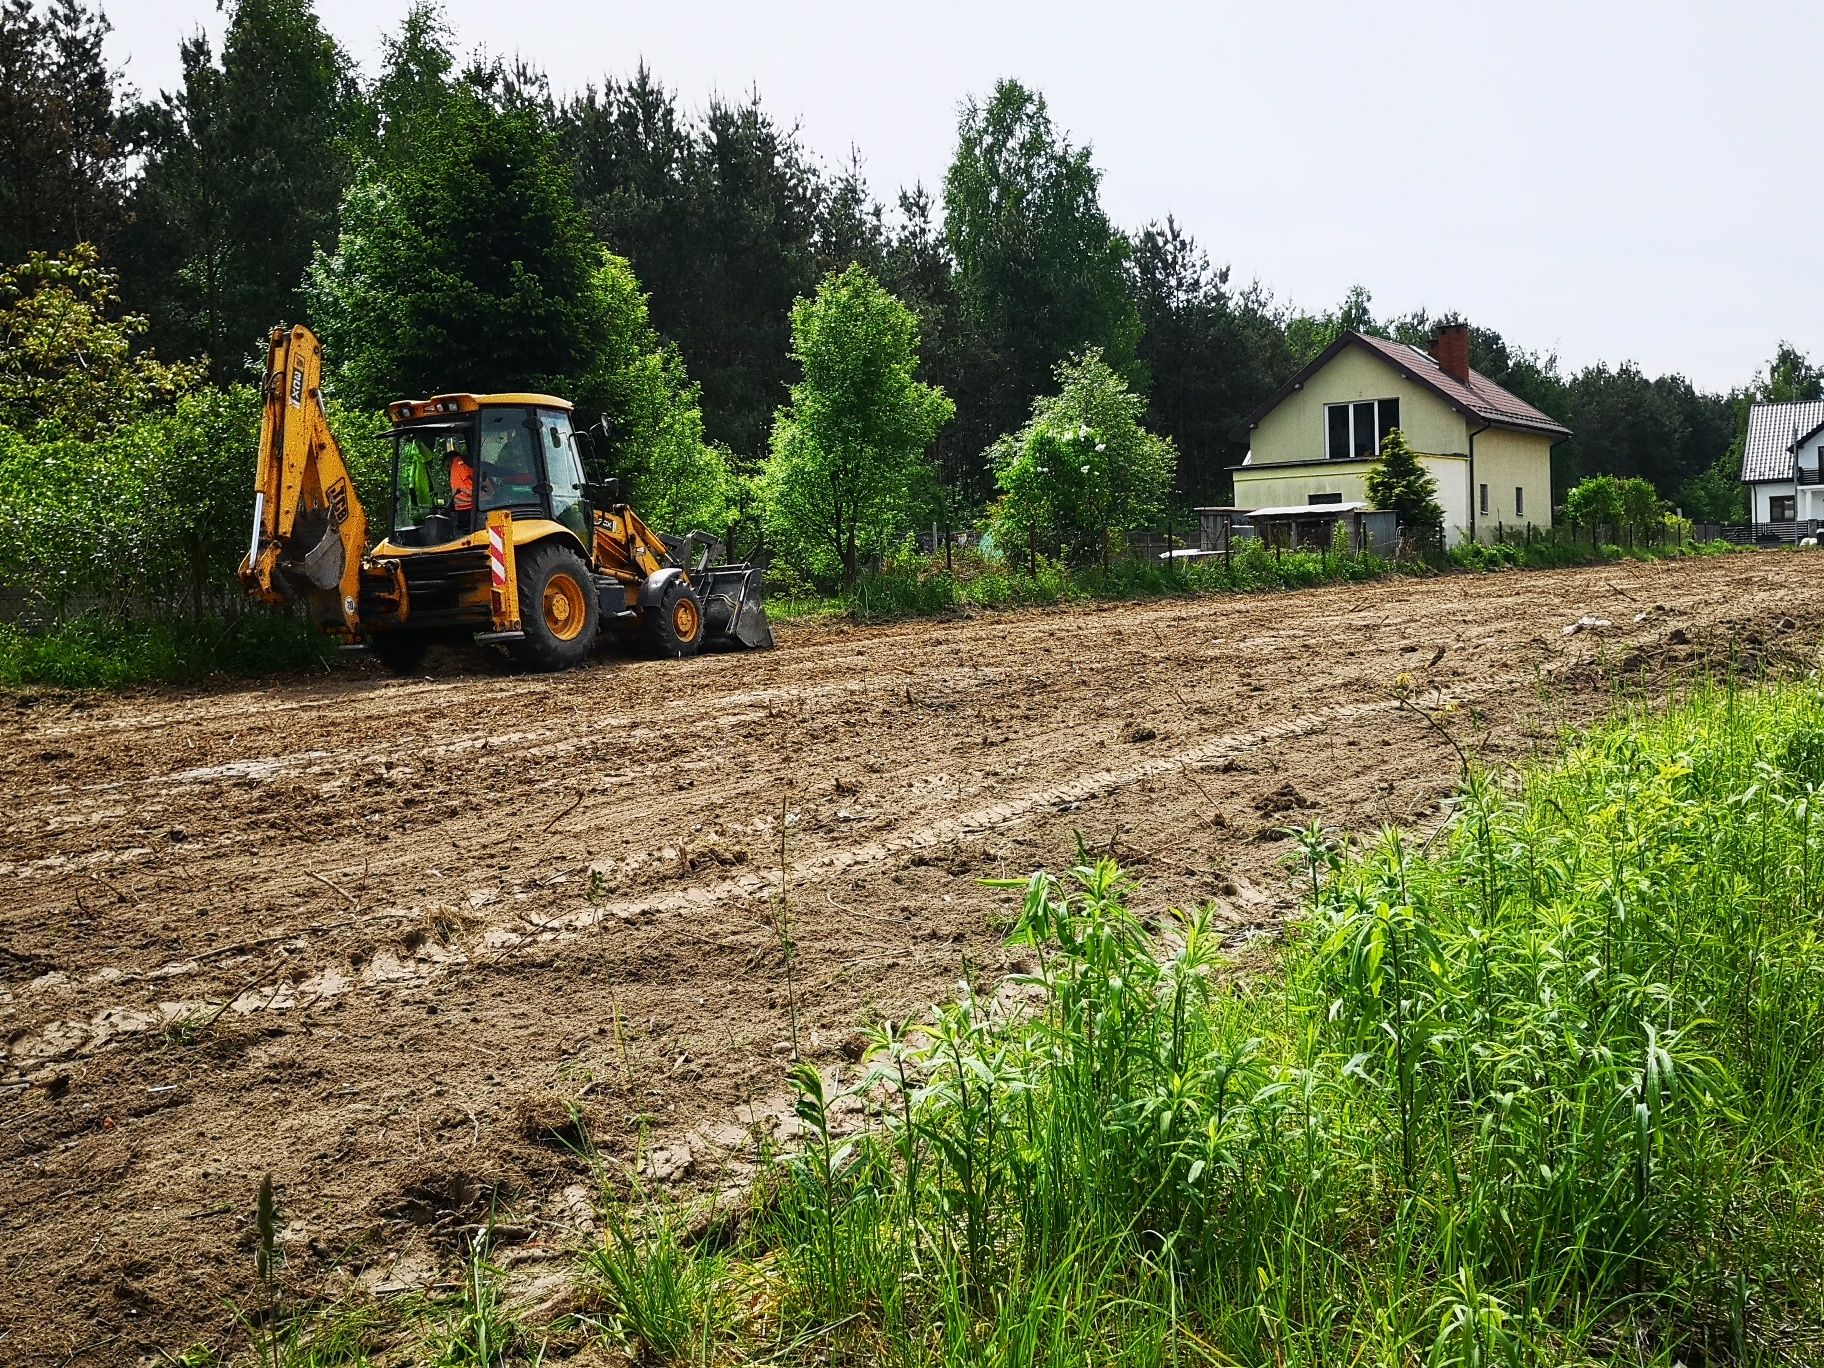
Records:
x=733, y=611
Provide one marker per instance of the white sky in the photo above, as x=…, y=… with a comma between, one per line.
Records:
x=1607, y=180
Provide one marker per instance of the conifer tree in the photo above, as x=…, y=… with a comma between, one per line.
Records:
x=1398, y=483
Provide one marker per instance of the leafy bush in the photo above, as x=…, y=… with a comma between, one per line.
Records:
x=1630, y=506
x=65, y=361
x=1594, y=502
x=155, y=510
x=1083, y=472
x=105, y=651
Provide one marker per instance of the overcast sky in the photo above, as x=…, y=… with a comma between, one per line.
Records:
x=1606, y=180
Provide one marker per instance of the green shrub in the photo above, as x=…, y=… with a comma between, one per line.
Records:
x=104, y=651
x=156, y=510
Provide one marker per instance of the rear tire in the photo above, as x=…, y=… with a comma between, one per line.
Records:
x=557, y=608
x=675, y=627
x=400, y=652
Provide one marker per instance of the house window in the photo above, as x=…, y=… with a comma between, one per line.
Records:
x=1483, y=497
x=1354, y=432
x=1323, y=498
x=1783, y=508
x=1519, y=501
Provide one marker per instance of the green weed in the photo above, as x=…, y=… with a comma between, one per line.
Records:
x=476, y=1329
x=663, y=1299
x=1548, y=1090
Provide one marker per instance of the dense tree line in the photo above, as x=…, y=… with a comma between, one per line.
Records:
x=448, y=221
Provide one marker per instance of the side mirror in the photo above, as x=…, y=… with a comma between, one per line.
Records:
x=602, y=493
x=602, y=425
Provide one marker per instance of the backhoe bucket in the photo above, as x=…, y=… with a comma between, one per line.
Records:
x=732, y=607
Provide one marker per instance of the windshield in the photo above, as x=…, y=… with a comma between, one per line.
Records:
x=433, y=484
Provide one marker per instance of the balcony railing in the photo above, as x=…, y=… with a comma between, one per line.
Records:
x=1810, y=477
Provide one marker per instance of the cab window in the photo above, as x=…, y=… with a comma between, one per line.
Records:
x=564, y=469
x=433, y=491
x=509, y=460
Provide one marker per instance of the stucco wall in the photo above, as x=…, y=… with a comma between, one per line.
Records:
x=1506, y=461
x=1264, y=487
x=1268, y=488
x=1294, y=431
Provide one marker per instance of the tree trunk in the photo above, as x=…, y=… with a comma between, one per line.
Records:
x=196, y=576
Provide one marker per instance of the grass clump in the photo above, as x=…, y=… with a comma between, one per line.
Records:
x=1549, y=1089
x=661, y=1297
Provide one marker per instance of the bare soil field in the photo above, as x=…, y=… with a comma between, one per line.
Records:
x=403, y=943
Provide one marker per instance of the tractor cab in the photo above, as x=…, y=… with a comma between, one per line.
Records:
x=459, y=457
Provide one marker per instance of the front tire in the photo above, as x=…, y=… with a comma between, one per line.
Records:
x=675, y=627
x=557, y=608
x=400, y=652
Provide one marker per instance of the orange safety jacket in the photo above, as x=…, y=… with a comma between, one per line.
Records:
x=462, y=484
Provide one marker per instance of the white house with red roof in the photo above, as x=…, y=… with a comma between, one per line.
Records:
x=1315, y=440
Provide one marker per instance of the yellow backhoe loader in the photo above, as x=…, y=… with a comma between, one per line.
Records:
x=496, y=536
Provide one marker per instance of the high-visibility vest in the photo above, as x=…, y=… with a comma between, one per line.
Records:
x=462, y=484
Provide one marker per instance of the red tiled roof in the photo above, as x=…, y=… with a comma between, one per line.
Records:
x=1481, y=397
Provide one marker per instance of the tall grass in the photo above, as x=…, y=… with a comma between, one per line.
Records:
x=1548, y=1088
x=924, y=588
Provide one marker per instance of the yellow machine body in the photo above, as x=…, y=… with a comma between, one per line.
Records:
x=462, y=572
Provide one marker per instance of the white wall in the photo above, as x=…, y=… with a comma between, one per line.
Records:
x=1810, y=504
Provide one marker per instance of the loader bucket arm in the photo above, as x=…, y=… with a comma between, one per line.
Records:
x=309, y=529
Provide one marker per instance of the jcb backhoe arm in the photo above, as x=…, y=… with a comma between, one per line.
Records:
x=309, y=530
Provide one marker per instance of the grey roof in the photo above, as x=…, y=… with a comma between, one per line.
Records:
x=1767, y=455
x=1323, y=510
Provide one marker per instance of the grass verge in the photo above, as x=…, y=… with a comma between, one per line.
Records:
x=923, y=587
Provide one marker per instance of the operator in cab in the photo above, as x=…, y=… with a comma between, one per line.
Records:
x=509, y=473
x=462, y=478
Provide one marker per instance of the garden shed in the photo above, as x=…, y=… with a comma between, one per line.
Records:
x=1314, y=526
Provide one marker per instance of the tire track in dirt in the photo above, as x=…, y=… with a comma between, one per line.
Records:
x=63, y=1041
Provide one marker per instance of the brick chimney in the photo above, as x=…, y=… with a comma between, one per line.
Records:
x=1450, y=345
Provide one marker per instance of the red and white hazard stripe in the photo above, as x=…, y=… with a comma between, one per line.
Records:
x=497, y=558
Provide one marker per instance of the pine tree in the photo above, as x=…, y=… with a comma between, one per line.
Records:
x=473, y=269
x=63, y=159
x=1400, y=484
x=1212, y=355
x=244, y=172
